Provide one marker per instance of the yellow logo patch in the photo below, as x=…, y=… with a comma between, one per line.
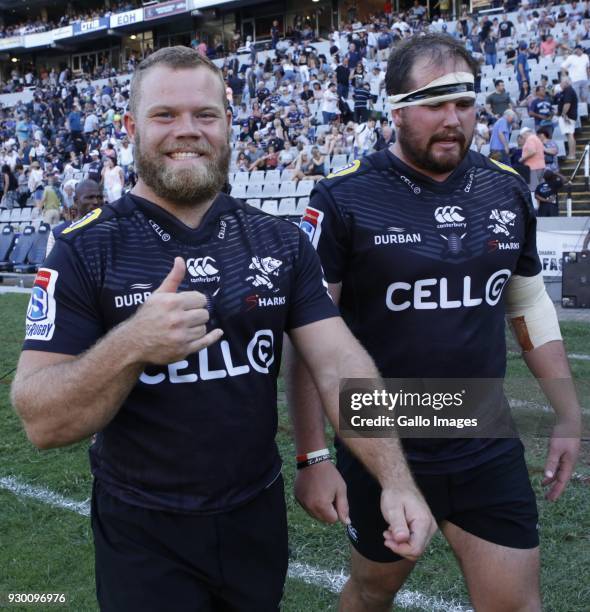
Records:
x=353, y=167
x=85, y=220
x=503, y=166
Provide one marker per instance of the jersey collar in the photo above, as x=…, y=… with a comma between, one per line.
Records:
x=451, y=182
x=176, y=228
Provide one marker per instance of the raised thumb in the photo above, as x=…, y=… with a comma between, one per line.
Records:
x=171, y=283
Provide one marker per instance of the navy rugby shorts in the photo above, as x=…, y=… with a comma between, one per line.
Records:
x=493, y=501
x=152, y=561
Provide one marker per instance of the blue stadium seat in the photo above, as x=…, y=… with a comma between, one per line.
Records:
x=21, y=250
x=7, y=238
x=36, y=255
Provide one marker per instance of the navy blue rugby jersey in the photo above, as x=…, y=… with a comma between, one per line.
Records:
x=422, y=266
x=196, y=435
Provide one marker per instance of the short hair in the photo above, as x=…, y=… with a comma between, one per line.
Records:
x=177, y=58
x=509, y=113
x=497, y=82
x=538, y=88
x=437, y=47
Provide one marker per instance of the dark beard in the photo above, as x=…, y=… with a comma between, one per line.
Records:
x=423, y=158
x=183, y=187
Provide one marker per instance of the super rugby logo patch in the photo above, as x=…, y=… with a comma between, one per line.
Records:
x=311, y=224
x=40, y=323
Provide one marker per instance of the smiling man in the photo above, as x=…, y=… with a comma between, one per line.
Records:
x=426, y=247
x=157, y=321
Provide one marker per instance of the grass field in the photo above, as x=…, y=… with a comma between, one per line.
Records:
x=48, y=549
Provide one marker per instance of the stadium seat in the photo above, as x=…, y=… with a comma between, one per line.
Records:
x=302, y=204
x=7, y=238
x=36, y=255
x=273, y=176
x=287, y=175
x=253, y=202
x=255, y=190
x=21, y=250
x=5, y=216
x=238, y=191
x=304, y=188
x=288, y=207
x=288, y=189
x=26, y=214
x=270, y=206
x=272, y=190
x=256, y=177
x=240, y=178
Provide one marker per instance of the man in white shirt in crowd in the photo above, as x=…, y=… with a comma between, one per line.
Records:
x=577, y=66
x=125, y=155
x=376, y=81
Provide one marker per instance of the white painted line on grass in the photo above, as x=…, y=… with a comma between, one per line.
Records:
x=11, y=289
x=10, y=483
x=332, y=581
x=580, y=356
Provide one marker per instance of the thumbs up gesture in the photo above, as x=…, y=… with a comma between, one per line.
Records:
x=171, y=325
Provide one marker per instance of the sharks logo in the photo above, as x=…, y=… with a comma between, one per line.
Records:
x=502, y=221
x=264, y=268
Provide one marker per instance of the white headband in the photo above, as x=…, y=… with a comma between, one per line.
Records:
x=451, y=86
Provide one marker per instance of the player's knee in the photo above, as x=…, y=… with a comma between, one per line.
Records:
x=375, y=591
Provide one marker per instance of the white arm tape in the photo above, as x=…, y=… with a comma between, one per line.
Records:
x=530, y=312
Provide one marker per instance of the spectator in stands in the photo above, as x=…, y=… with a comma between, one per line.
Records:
x=481, y=134
x=541, y=109
x=94, y=170
x=525, y=95
x=362, y=98
x=548, y=45
x=50, y=202
x=343, y=78
x=506, y=31
x=125, y=155
x=87, y=197
x=330, y=110
x=35, y=177
x=533, y=156
x=500, y=139
x=385, y=138
x=498, y=101
x=546, y=194
x=522, y=65
x=550, y=147
x=113, y=180
x=577, y=66
x=365, y=138
x=567, y=110
x=9, y=188
x=489, y=49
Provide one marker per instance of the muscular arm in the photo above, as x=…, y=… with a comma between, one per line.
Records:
x=330, y=353
x=62, y=399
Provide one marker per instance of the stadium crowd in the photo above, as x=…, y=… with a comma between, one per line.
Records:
x=305, y=112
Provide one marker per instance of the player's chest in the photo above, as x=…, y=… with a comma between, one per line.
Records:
x=441, y=233
x=247, y=284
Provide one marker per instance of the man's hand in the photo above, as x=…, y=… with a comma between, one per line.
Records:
x=411, y=525
x=561, y=459
x=321, y=491
x=170, y=325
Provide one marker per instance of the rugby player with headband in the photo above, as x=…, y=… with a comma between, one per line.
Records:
x=427, y=247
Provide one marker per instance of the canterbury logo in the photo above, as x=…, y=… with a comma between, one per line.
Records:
x=201, y=267
x=448, y=214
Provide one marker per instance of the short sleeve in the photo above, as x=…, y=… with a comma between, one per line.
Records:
x=310, y=300
x=528, y=263
x=63, y=314
x=326, y=228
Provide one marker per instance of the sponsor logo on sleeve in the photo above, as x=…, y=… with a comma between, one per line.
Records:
x=40, y=323
x=311, y=224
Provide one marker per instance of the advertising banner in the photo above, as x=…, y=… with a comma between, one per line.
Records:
x=65, y=32
x=165, y=9
x=41, y=39
x=128, y=18
x=94, y=25
x=552, y=245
